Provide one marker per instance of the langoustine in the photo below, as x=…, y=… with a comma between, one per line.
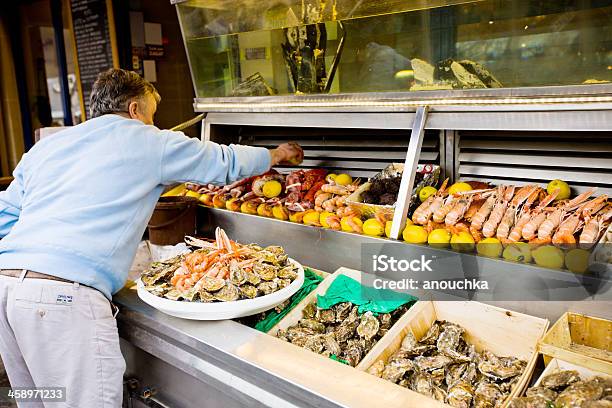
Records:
x=555, y=217
x=424, y=211
x=490, y=226
x=510, y=215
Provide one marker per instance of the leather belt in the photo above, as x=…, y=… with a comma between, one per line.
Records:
x=16, y=273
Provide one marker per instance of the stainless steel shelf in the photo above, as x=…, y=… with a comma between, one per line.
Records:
x=328, y=250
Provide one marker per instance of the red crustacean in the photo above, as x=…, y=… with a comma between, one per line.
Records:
x=301, y=187
x=310, y=195
x=311, y=177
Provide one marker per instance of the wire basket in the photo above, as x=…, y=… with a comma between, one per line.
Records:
x=430, y=176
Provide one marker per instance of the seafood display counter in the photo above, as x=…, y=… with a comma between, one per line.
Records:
x=391, y=98
x=179, y=362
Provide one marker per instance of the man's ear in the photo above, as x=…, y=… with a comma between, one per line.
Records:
x=133, y=109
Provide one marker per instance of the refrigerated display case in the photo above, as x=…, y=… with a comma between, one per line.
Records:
x=247, y=48
x=357, y=104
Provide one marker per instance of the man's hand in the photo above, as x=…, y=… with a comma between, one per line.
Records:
x=287, y=153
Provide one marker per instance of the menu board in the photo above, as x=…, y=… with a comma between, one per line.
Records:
x=94, y=38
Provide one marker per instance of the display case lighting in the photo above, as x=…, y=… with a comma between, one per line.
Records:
x=205, y=106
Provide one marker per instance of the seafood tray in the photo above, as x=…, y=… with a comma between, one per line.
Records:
x=221, y=280
x=296, y=314
x=556, y=374
x=499, y=331
x=222, y=310
x=581, y=340
x=429, y=173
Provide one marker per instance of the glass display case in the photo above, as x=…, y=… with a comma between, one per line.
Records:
x=288, y=47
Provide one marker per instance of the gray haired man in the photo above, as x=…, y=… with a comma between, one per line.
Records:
x=71, y=221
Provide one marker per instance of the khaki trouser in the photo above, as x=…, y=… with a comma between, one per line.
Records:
x=56, y=334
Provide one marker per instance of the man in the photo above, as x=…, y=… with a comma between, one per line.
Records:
x=71, y=221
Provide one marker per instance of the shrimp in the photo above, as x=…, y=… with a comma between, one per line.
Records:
x=509, y=218
x=553, y=219
x=490, y=226
x=567, y=229
x=462, y=205
x=526, y=214
x=355, y=226
x=321, y=198
x=424, y=211
x=333, y=221
x=573, y=223
x=594, y=227
x=483, y=212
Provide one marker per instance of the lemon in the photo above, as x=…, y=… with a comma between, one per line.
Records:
x=191, y=193
x=427, y=192
x=176, y=191
x=233, y=204
x=439, y=238
x=564, y=189
x=490, y=247
x=388, y=226
x=458, y=187
x=205, y=199
x=272, y=188
x=331, y=177
x=323, y=218
x=577, y=260
x=249, y=207
x=345, y=225
x=373, y=227
x=311, y=218
x=462, y=242
x=219, y=200
x=296, y=216
x=548, y=256
x=518, y=252
x=415, y=234
x=280, y=212
x=343, y=179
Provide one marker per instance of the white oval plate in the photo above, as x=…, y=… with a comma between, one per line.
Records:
x=221, y=310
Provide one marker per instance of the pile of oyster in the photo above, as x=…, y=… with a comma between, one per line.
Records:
x=565, y=389
x=340, y=331
x=258, y=272
x=442, y=365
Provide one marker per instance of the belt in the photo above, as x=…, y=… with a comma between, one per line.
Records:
x=16, y=273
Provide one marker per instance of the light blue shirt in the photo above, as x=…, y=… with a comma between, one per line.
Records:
x=81, y=198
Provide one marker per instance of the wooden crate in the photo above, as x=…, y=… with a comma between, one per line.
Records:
x=503, y=332
x=557, y=365
x=293, y=317
x=583, y=340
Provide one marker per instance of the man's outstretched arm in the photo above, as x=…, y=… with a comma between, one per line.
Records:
x=187, y=159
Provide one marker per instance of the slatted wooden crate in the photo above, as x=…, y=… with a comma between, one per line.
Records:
x=295, y=315
x=556, y=365
x=501, y=331
x=580, y=339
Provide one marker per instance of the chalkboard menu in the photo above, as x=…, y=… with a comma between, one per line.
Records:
x=93, y=30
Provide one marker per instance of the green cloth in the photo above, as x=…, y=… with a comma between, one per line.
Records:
x=336, y=358
x=345, y=289
x=311, y=281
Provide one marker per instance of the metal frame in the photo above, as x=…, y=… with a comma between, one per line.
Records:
x=180, y=20
x=583, y=117
x=534, y=98
x=410, y=164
